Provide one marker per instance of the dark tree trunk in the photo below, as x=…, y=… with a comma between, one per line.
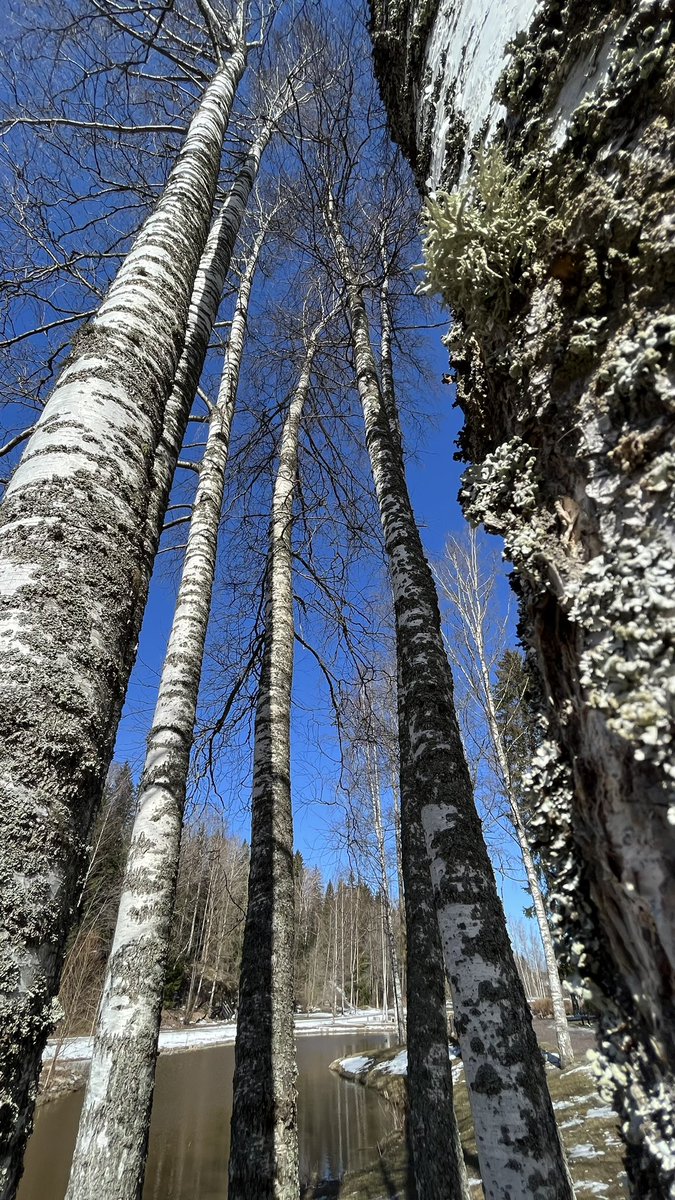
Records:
x=264, y=1141
x=518, y=1142
x=433, y=1136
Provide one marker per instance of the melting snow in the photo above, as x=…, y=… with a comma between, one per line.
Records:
x=573, y=1102
x=395, y=1066
x=223, y=1033
x=355, y=1064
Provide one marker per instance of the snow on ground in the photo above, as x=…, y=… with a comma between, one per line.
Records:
x=397, y=1065
x=573, y=1102
x=357, y=1066
x=222, y=1033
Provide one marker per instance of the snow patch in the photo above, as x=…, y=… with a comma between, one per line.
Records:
x=355, y=1065
x=223, y=1033
x=395, y=1066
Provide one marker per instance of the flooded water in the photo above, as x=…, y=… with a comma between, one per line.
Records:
x=340, y=1123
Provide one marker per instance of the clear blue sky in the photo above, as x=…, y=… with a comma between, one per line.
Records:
x=434, y=480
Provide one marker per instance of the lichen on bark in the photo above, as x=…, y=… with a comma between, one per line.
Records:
x=74, y=573
x=567, y=394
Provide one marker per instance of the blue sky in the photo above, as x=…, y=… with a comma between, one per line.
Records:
x=434, y=480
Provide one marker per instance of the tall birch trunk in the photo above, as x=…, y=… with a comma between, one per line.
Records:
x=466, y=592
x=433, y=1134
x=264, y=1139
x=518, y=1143
x=562, y=346
x=111, y=1147
x=74, y=573
x=207, y=294
x=376, y=803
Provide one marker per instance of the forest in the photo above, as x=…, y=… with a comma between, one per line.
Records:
x=337, y=586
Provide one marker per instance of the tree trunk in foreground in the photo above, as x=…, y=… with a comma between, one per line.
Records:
x=264, y=1140
x=73, y=580
x=518, y=1143
x=111, y=1147
x=433, y=1135
x=566, y=386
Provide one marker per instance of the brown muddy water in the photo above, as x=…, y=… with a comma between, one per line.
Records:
x=340, y=1123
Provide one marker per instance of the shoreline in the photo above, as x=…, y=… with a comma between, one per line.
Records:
x=222, y=1033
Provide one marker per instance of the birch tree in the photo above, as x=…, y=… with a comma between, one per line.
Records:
x=73, y=582
x=468, y=587
x=561, y=341
x=433, y=1134
x=360, y=725
x=264, y=1145
x=503, y=1066
x=373, y=777
x=112, y=1139
x=432, y=1127
x=205, y=303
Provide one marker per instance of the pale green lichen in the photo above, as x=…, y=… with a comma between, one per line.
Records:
x=503, y=493
x=481, y=238
x=625, y=600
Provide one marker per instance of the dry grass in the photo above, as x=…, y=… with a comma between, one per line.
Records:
x=589, y=1130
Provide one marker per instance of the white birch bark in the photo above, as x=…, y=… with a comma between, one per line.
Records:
x=519, y=1147
x=373, y=776
x=111, y=1148
x=73, y=579
x=264, y=1139
x=466, y=592
x=206, y=297
x=433, y=1133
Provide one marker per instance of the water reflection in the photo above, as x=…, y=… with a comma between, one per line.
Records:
x=340, y=1124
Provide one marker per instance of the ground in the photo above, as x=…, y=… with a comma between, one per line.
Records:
x=589, y=1127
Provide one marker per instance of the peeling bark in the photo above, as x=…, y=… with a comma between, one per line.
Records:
x=518, y=1143
x=567, y=393
x=73, y=580
x=264, y=1140
x=111, y=1148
